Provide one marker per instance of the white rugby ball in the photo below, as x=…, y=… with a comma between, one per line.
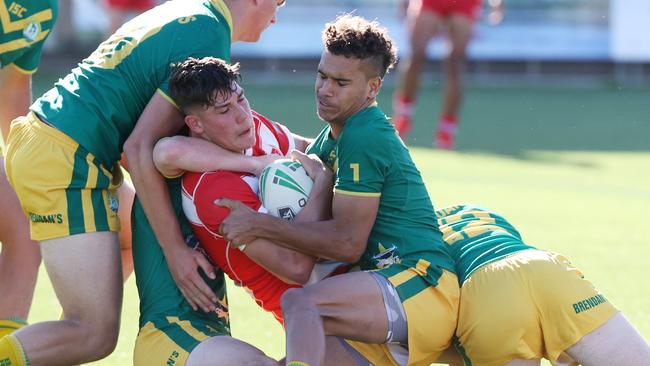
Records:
x=284, y=188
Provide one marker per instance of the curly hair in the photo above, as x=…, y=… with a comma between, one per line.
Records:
x=356, y=37
x=200, y=82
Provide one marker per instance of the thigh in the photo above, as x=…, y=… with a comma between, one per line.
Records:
x=85, y=271
x=423, y=26
x=460, y=32
x=351, y=306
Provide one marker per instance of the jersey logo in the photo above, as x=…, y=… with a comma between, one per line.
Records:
x=386, y=257
x=113, y=203
x=31, y=31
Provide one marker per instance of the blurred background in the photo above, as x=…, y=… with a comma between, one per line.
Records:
x=554, y=131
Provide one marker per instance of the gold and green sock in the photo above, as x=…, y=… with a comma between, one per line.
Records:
x=292, y=363
x=12, y=352
x=9, y=325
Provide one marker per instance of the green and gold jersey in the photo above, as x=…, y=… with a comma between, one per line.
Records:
x=476, y=237
x=99, y=102
x=25, y=25
x=160, y=298
x=369, y=160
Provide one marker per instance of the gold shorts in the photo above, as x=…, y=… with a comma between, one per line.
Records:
x=529, y=305
x=431, y=313
x=63, y=188
x=170, y=340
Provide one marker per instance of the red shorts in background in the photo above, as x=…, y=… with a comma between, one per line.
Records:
x=135, y=5
x=444, y=8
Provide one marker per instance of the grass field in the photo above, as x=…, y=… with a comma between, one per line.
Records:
x=570, y=167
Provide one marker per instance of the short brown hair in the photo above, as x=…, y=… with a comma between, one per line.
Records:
x=354, y=36
x=198, y=82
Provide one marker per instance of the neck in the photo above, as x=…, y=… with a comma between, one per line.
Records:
x=337, y=126
x=237, y=14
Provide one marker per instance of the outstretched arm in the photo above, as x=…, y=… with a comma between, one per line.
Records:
x=174, y=155
x=15, y=96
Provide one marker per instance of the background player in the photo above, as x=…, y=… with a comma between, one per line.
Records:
x=120, y=94
x=426, y=19
x=377, y=209
x=550, y=308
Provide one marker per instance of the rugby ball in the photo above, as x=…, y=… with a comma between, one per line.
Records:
x=284, y=188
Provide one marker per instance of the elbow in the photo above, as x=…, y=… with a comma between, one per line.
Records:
x=299, y=271
x=354, y=249
x=165, y=152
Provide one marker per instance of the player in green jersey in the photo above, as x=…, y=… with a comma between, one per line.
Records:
x=549, y=306
x=62, y=162
x=379, y=212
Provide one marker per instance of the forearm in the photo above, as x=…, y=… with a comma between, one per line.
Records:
x=288, y=265
x=15, y=97
x=153, y=194
x=321, y=239
x=319, y=204
x=181, y=153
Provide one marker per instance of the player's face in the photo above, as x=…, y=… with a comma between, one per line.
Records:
x=229, y=122
x=342, y=88
x=262, y=18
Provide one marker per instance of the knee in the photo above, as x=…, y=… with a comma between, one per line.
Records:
x=99, y=339
x=296, y=299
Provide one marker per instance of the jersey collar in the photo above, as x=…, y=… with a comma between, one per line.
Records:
x=223, y=9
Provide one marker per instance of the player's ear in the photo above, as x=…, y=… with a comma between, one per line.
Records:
x=374, y=85
x=194, y=123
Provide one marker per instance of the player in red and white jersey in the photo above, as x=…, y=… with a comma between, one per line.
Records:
x=264, y=268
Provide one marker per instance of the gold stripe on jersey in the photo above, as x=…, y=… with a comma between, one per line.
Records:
x=188, y=328
x=9, y=26
x=358, y=194
x=223, y=9
x=114, y=50
x=170, y=100
x=23, y=71
x=22, y=43
x=402, y=277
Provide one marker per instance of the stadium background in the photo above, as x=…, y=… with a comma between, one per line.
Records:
x=554, y=134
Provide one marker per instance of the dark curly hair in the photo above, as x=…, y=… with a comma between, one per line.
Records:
x=356, y=37
x=199, y=82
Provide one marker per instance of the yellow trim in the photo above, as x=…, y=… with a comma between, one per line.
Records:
x=86, y=198
x=9, y=26
x=401, y=277
x=17, y=44
x=422, y=266
x=188, y=328
x=167, y=98
x=223, y=9
x=23, y=71
x=358, y=194
x=297, y=363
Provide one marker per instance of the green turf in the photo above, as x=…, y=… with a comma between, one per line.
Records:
x=570, y=167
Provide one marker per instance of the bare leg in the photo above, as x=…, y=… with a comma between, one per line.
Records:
x=331, y=307
x=127, y=195
x=423, y=26
x=616, y=342
x=227, y=351
x=85, y=273
x=20, y=256
x=460, y=33
x=522, y=363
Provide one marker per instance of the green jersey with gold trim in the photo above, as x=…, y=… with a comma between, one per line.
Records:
x=476, y=236
x=25, y=26
x=370, y=160
x=100, y=101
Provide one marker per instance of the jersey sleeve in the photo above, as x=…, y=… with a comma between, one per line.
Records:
x=198, y=37
x=292, y=143
x=362, y=164
x=28, y=62
x=222, y=184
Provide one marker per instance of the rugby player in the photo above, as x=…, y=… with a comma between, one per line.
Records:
x=379, y=211
x=62, y=160
x=519, y=304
